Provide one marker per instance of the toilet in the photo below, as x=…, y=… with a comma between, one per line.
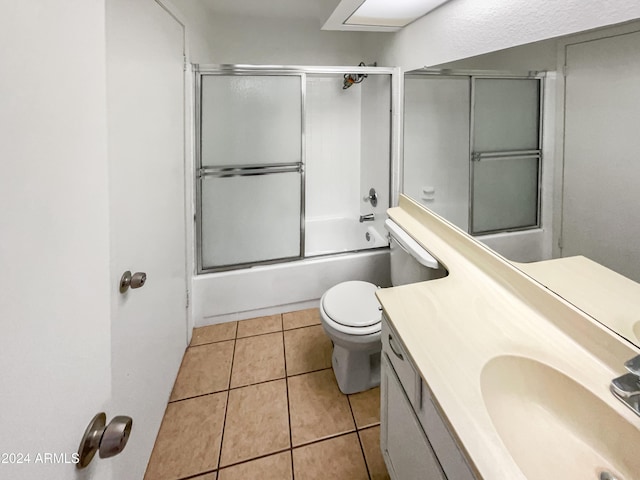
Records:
x=351, y=315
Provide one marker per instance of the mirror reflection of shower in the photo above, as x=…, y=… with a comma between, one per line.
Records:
x=353, y=78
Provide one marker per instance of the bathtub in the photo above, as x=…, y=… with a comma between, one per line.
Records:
x=284, y=287
x=326, y=236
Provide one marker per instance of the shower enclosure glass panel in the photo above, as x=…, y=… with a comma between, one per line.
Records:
x=505, y=114
x=250, y=218
x=250, y=175
x=505, y=193
x=506, y=154
x=250, y=119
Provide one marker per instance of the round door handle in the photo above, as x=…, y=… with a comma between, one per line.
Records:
x=136, y=280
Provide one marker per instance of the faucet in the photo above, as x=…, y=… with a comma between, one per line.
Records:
x=369, y=217
x=627, y=387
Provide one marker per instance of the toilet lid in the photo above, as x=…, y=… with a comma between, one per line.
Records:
x=353, y=304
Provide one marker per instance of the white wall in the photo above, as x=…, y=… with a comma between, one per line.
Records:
x=375, y=142
x=465, y=28
x=332, y=131
x=223, y=38
x=54, y=246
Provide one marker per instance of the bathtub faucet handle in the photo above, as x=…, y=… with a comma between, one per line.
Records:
x=372, y=197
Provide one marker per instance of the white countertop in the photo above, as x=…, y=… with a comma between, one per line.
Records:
x=486, y=308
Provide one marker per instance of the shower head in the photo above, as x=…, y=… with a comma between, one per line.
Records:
x=352, y=78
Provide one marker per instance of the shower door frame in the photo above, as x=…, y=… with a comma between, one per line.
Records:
x=200, y=70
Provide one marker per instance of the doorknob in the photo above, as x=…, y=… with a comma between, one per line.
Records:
x=107, y=440
x=136, y=280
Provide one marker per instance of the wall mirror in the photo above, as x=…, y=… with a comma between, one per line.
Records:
x=534, y=151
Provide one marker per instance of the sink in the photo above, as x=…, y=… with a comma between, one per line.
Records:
x=555, y=428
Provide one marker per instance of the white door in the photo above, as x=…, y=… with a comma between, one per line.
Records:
x=54, y=236
x=600, y=214
x=145, y=102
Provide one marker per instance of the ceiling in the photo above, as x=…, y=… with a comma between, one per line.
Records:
x=292, y=9
x=389, y=15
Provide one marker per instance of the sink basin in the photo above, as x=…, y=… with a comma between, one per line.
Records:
x=555, y=428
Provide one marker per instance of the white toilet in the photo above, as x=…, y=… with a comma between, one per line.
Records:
x=351, y=315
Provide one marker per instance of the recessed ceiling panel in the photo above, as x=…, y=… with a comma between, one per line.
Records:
x=397, y=13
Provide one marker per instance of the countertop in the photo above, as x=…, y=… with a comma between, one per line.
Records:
x=486, y=308
x=607, y=296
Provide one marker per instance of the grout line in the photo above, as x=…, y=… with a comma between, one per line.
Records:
x=364, y=457
x=286, y=379
x=190, y=477
x=310, y=371
x=197, y=396
x=330, y=436
x=241, y=462
x=209, y=343
x=226, y=408
x=303, y=326
x=258, y=334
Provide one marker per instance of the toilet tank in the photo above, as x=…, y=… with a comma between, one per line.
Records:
x=410, y=262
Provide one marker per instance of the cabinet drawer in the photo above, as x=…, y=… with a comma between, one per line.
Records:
x=446, y=448
x=399, y=359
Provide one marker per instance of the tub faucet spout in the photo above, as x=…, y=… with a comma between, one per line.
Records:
x=369, y=217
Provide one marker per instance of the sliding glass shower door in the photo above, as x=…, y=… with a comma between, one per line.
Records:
x=250, y=176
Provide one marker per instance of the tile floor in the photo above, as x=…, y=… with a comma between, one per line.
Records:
x=257, y=399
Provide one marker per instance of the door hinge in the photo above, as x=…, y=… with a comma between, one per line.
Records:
x=560, y=243
x=565, y=70
x=187, y=300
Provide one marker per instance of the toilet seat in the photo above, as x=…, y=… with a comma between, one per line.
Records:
x=352, y=308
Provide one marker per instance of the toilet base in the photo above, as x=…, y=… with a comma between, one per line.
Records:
x=356, y=370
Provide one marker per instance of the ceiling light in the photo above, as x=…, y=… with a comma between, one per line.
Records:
x=396, y=13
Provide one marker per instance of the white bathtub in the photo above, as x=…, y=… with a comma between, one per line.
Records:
x=283, y=287
x=326, y=236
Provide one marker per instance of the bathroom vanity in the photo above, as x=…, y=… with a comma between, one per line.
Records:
x=487, y=374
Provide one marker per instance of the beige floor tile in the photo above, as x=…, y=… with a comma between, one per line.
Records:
x=257, y=422
x=260, y=325
x=307, y=349
x=204, y=369
x=318, y=409
x=208, y=476
x=366, y=407
x=370, y=439
x=301, y=318
x=214, y=333
x=189, y=439
x=338, y=459
x=273, y=467
x=258, y=359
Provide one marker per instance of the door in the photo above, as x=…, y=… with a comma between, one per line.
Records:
x=600, y=215
x=54, y=240
x=145, y=92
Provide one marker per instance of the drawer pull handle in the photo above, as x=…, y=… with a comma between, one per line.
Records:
x=398, y=354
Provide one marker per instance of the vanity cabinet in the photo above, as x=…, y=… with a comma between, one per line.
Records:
x=415, y=441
